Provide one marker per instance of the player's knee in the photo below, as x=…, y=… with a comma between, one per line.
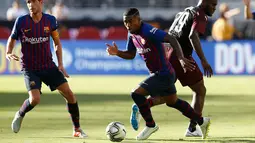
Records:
x=133, y=95
x=202, y=91
x=170, y=103
x=68, y=95
x=35, y=100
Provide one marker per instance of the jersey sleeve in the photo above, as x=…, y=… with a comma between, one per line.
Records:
x=15, y=30
x=199, y=24
x=155, y=34
x=130, y=45
x=54, y=24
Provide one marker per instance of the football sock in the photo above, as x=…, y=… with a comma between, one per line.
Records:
x=192, y=126
x=26, y=107
x=187, y=111
x=73, y=109
x=144, y=109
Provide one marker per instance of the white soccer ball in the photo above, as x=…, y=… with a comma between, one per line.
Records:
x=116, y=132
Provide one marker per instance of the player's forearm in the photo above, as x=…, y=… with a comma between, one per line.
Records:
x=195, y=42
x=247, y=12
x=176, y=46
x=58, y=49
x=128, y=55
x=10, y=45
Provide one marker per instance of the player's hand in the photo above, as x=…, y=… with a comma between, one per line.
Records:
x=62, y=69
x=112, y=50
x=187, y=65
x=207, y=68
x=12, y=57
x=247, y=2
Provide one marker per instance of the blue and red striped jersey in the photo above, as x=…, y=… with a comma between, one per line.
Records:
x=35, y=41
x=148, y=43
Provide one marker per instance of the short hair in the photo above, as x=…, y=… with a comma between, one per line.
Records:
x=131, y=12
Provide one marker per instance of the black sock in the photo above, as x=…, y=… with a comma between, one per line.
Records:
x=73, y=109
x=187, y=111
x=26, y=107
x=192, y=126
x=144, y=109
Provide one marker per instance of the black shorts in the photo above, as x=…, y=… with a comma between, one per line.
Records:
x=51, y=77
x=160, y=84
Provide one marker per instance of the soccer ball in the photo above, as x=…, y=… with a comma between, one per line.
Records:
x=116, y=132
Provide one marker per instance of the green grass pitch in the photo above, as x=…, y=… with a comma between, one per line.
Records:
x=103, y=99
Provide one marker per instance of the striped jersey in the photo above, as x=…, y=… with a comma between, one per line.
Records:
x=35, y=41
x=191, y=18
x=148, y=43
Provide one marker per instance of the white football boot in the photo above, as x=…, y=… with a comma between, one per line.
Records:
x=146, y=132
x=16, y=122
x=196, y=133
x=135, y=117
x=79, y=133
x=205, y=127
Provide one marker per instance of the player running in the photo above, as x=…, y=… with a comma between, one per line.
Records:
x=34, y=31
x=147, y=41
x=186, y=29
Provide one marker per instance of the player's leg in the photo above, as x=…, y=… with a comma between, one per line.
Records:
x=56, y=80
x=190, y=78
x=33, y=85
x=185, y=108
x=199, y=92
x=146, y=87
x=73, y=109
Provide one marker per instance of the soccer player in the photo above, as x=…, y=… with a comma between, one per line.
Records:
x=247, y=10
x=147, y=41
x=186, y=29
x=34, y=31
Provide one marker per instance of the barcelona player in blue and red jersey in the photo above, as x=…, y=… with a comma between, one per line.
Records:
x=34, y=31
x=186, y=28
x=147, y=41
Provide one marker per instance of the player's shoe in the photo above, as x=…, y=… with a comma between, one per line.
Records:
x=205, y=127
x=79, y=133
x=146, y=132
x=16, y=122
x=196, y=133
x=135, y=117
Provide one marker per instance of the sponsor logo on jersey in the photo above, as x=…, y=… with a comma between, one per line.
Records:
x=143, y=51
x=153, y=30
x=27, y=30
x=33, y=40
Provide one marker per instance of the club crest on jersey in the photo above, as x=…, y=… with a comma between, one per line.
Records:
x=143, y=41
x=46, y=29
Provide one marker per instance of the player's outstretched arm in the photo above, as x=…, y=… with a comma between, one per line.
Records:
x=114, y=51
x=10, y=45
x=186, y=64
x=195, y=42
x=58, y=50
x=247, y=9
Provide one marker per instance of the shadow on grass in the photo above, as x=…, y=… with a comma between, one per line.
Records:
x=185, y=140
x=14, y=99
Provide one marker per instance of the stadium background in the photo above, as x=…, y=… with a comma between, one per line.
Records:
x=103, y=83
